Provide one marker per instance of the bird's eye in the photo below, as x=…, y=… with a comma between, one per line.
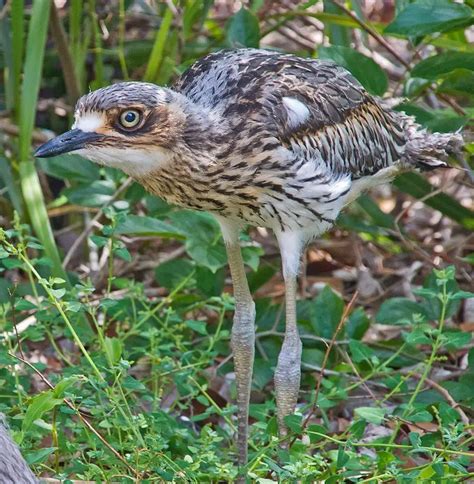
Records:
x=130, y=118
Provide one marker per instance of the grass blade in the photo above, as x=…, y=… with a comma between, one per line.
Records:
x=156, y=55
x=29, y=180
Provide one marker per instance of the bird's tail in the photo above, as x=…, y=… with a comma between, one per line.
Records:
x=426, y=150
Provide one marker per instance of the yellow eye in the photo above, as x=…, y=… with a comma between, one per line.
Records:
x=130, y=118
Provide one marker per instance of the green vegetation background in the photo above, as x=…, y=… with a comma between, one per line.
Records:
x=114, y=347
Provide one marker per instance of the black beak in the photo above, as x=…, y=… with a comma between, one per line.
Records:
x=65, y=143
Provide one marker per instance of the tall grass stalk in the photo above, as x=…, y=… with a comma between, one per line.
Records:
x=156, y=55
x=29, y=179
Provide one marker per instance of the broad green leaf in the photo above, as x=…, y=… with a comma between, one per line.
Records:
x=380, y=218
x=251, y=256
x=371, y=414
x=113, y=349
x=363, y=68
x=71, y=168
x=141, y=225
x=420, y=416
x=204, y=241
x=243, y=29
x=171, y=273
x=39, y=405
x=64, y=384
x=357, y=324
x=93, y=194
x=197, y=326
x=436, y=120
x=456, y=339
x=326, y=312
x=416, y=186
x=460, y=81
x=399, y=310
x=316, y=433
x=337, y=34
x=40, y=455
x=360, y=351
x=210, y=283
x=294, y=423
x=312, y=356
x=439, y=65
x=429, y=16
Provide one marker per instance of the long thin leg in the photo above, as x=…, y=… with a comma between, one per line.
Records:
x=243, y=334
x=288, y=370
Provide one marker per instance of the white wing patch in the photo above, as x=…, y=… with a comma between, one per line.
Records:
x=298, y=113
x=89, y=122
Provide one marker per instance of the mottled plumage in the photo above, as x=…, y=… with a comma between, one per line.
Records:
x=261, y=138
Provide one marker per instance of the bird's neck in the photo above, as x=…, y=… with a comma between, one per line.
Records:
x=188, y=154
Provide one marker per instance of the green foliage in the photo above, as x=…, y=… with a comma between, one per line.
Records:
x=137, y=337
x=429, y=16
x=365, y=70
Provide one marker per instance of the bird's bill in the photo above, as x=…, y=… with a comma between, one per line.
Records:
x=73, y=140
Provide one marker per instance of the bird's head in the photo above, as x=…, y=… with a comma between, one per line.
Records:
x=133, y=126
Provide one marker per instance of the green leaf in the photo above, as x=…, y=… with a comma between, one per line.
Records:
x=64, y=384
x=416, y=186
x=6, y=174
x=429, y=16
x=371, y=414
x=399, y=310
x=71, y=168
x=210, y=283
x=39, y=456
x=204, y=241
x=141, y=225
x=113, y=349
x=420, y=416
x=326, y=312
x=171, y=273
x=123, y=253
x=294, y=423
x=243, y=29
x=197, y=326
x=456, y=339
x=357, y=324
x=360, y=352
x=314, y=430
x=39, y=405
x=251, y=256
x=442, y=64
x=364, y=69
x=93, y=194
x=24, y=305
x=460, y=81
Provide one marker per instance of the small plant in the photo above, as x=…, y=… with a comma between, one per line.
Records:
x=111, y=398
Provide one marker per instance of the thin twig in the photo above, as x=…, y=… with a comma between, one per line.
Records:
x=326, y=358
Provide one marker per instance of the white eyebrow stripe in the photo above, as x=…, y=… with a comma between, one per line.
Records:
x=89, y=122
x=298, y=113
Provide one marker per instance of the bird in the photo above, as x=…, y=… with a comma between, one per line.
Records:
x=261, y=138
